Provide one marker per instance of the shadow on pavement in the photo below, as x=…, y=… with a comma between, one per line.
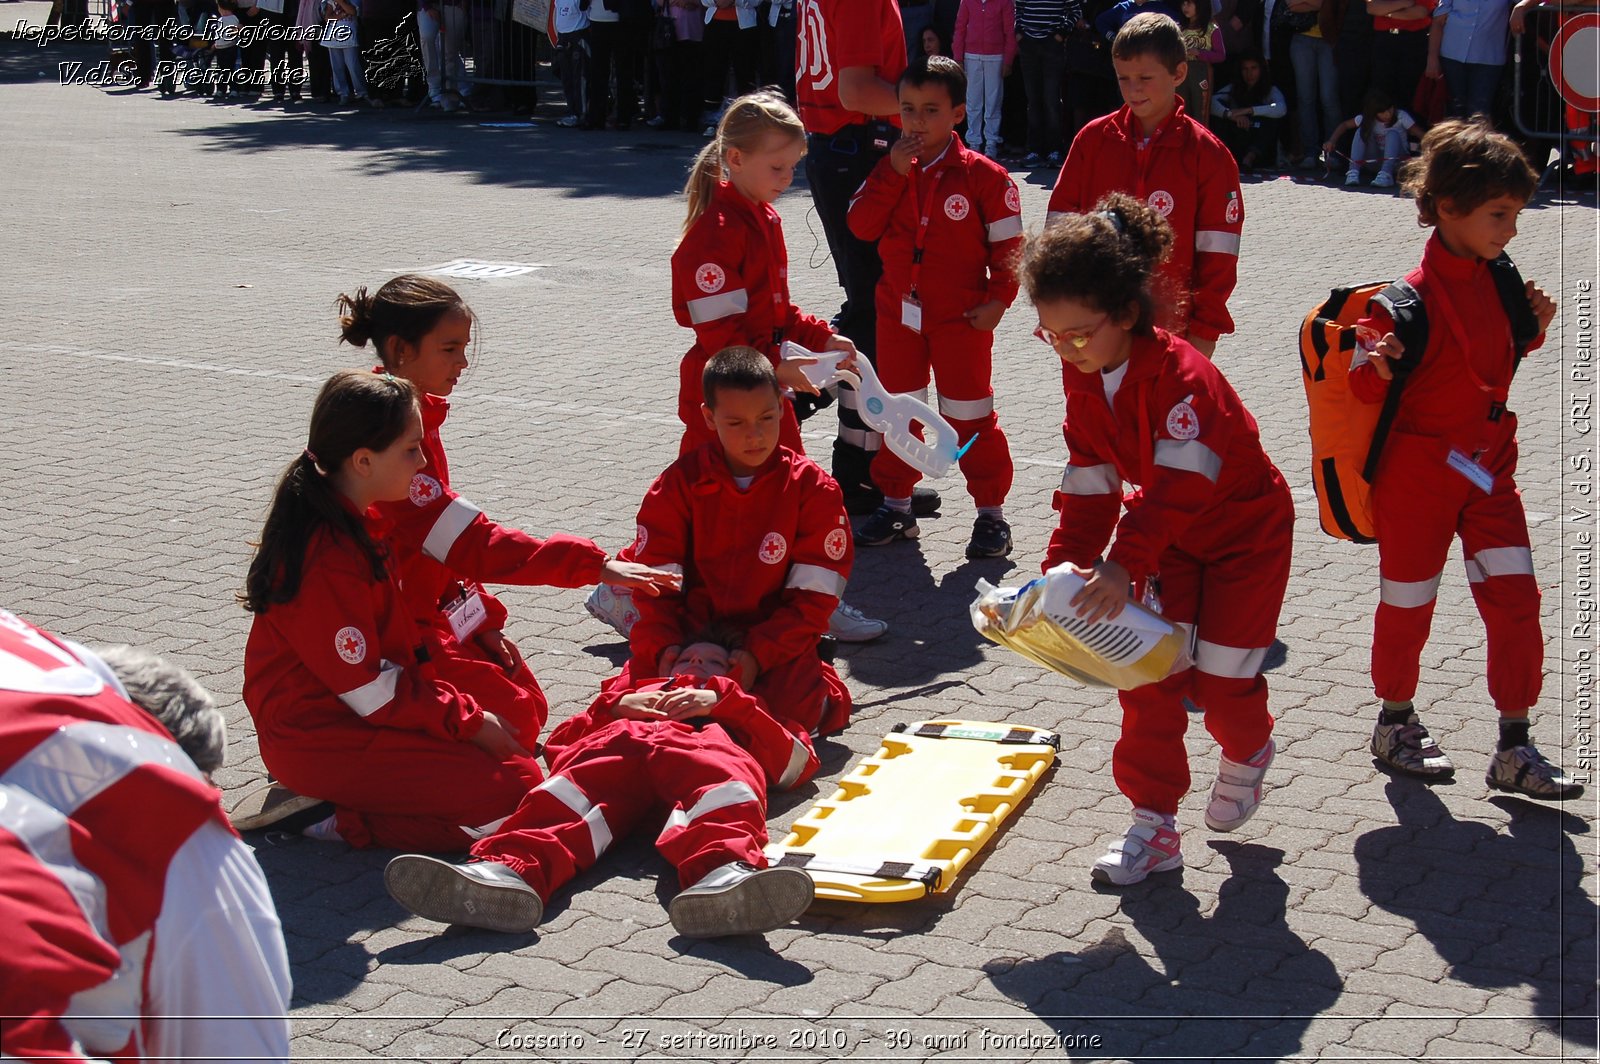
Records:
x=1236, y=983
x=1458, y=879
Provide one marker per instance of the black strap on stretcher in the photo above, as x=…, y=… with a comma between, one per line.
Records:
x=1014, y=737
x=912, y=871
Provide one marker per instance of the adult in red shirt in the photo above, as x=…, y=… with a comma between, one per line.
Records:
x=851, y=54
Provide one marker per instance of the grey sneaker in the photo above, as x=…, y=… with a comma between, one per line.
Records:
x=850, y=625
x=1237, y=792
x=740, y=899
x=1409, y=749
x=268, y=804
x=1524, y=770
x=482, y=894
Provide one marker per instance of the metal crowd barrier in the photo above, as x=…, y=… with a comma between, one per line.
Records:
x=1558, y=43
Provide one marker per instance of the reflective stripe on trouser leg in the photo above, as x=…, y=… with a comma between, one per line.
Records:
x=711, y=825
x=853, y=430
x=1506, y=592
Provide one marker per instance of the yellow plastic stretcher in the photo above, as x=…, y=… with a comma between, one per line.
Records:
x=907, y=819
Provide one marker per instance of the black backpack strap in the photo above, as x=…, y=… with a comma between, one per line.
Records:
x=1404, y=305
x=1514, y=298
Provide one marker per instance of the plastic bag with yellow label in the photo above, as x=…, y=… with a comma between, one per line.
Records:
x=1136, y=648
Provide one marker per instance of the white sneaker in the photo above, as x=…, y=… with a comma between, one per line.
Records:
x=1383, y=180
x=613, y=606
x=850, y=625
x=1237, y=791
x=1151, y=844
x=740, y=899
x=1353, y=177
x=482, y=894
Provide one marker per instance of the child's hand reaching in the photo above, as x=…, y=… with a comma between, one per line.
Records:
x=1104, y=593
x=840, y=342
x=985, y=316
x=791, y=375
x=1544, y=308
x=641, y=578
x=743, y=669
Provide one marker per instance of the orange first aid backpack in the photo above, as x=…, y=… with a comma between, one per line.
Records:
x=1347, y=435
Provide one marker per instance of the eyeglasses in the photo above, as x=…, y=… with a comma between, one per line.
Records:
x=1079, y=340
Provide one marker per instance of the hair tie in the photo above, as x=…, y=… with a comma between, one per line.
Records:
x=309, y=456
x=1114, y=216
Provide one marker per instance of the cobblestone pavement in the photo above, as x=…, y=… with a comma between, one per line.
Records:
x=169, y=270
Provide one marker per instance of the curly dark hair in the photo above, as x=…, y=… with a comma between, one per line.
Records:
x=1467, y=164
x=1104, y=258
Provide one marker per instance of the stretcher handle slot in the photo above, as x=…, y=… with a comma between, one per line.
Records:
x=914, y=871
x=1013, y=736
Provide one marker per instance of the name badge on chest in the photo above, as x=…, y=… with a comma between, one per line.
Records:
x=466, y=615
x=1480, y=477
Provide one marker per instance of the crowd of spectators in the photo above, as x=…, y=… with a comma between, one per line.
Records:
x=1286, y=84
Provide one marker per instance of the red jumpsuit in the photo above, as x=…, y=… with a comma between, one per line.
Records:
x=1455, y=400
x=1187, y=174
x=1212, y=520
x=606, y=775
x=95, y=800
x=730, y=284
x=770, y=561
x=447, y=546
x=948, y=234
x=346, y=711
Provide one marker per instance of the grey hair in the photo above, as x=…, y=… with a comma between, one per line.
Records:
x=175, y=698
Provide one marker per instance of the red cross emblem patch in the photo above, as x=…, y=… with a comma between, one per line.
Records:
x=710, y=277
x=351, y=644
x=1182, y=422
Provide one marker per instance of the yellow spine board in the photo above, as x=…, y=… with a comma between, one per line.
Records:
x=907, y=819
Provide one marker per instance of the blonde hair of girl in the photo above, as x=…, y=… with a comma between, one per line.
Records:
x=744, y=126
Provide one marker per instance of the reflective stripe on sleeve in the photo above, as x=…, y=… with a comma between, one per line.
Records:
x=1090, y=480
x=1238, y=663
x=448, y=528
x=1218, y=241
x=1408, y=594
x=798, y=757
x=966, y=409
x=374, y=694
x=1189, y=455
x=1499, y=561
x=825, y=581
x=721, y=305
x=1005, y=229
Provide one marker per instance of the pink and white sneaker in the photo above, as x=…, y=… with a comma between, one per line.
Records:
x=1152, y=844
x=1237, y=791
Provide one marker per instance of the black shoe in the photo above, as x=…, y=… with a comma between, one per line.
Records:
x=991, y=538
x=885, y=526
x=865, y=499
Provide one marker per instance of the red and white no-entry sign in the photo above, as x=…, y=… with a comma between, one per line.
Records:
x=1575, y=61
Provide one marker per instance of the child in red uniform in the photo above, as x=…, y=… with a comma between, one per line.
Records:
x=760, y=535
x=1207, y=535
x=693, y=743
x=730, y=280
x=446, y=547
x=730, y=272
x=1449, y=464
x=1155, y=152
x=347, y=705
x=948, y=223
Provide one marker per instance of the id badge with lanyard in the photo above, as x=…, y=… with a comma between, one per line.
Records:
x=911, y=303
x=1467, y=465
x=466, y=613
